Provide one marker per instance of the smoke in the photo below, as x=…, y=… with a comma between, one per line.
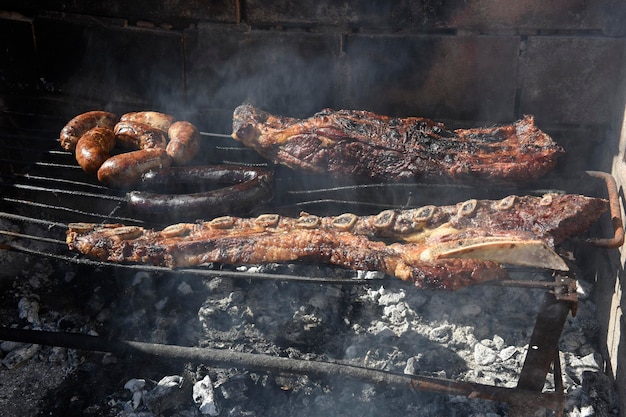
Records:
x=285, y=73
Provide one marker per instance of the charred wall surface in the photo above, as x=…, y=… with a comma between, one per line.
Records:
x=471, y=61
x=465, y=62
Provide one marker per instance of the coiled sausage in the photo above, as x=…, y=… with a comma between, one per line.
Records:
x=135, y=135
x=75, y=128
x=154, y=119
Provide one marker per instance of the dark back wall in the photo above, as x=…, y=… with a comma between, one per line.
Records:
x=469, y=61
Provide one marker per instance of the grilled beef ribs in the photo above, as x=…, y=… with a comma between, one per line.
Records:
x=445, y=247
x=368, y=146
x=134, y=244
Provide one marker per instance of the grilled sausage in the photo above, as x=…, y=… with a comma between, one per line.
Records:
x=154, y=119
x=75, y=128
x=247, y=189
x=135, y=135
x=126, y=169
x=184, y=142
x=94, y=147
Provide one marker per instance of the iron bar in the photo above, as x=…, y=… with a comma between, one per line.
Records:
x=267, y=363
x=543, y=352
x=73, y=193
x=544, y=341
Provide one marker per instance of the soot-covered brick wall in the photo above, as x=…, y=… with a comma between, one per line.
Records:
x=461, y=60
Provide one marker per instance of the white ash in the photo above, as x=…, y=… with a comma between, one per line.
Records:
x=204, y=396
x=28, y=371
x=136, y=388
x=19, y=355
x=28, y=308
x=477, y=334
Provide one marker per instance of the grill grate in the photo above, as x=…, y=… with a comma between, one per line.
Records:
x=43, y=185
x=43, y=190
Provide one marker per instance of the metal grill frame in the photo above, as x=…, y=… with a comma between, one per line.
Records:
x=23, y=176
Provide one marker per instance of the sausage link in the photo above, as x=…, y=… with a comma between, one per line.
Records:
x=125, y=170
x=201, y=177
x=184, y=142
x=94, y=147
x=154, y=119
x=250, y=189
x=135, y=135
x=75, y=128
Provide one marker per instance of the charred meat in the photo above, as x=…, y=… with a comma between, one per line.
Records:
x=445, y=247
x=191, y=245
x=369, y=146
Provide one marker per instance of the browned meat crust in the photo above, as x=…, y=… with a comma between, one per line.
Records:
x=365, y=145
x=552, y=217
x=134, y=244
x=350, y=241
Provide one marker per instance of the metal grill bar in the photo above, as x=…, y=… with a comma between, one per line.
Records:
x=528, y=400
x=72, y=193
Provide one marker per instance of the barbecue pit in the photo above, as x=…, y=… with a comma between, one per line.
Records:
x=44, y=190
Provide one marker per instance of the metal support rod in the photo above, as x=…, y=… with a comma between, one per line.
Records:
x=268, y=363
x=559, y=388
x=544, y=342
x=542, y=351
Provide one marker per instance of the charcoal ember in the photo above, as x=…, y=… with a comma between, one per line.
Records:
x=575, y=366
x=204, y=397
x=71, y=322
x=184, y=289
x=223, y=305
x=508, y=352
x=170, y=393
x=136, y=387
x=307, y=327
x=387, y=297
x=386, y=356
x=291, y=383
x=572, y=340
x=484, y=355
x=234, y=388
x=435, y=362
x=28, y=308
x=393, y=315
x=498, y=342
x=8, y=345
x=382, y=330
x=57, y=355
x=239, y=411
x=441, y=334
x=20, y=355
x=599, y=394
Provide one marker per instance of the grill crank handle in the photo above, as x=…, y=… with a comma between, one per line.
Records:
x=616, y=213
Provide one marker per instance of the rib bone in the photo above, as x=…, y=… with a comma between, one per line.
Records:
x=440, y=247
